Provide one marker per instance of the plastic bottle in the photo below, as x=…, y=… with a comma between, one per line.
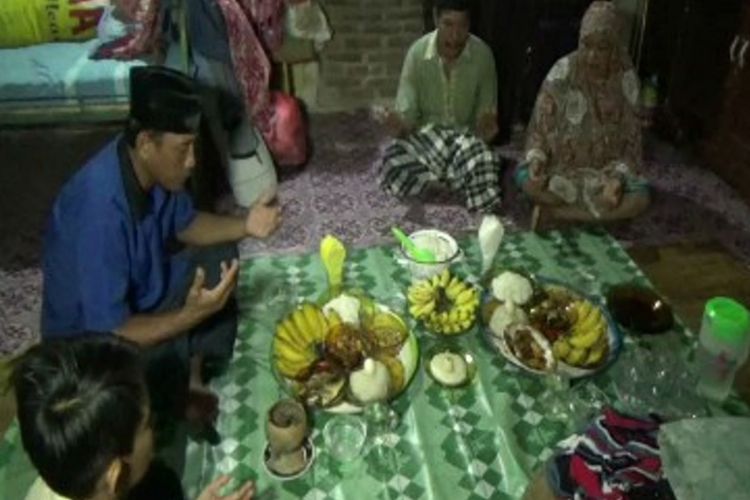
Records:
x=723, y=346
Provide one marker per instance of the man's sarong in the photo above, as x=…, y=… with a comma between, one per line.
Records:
x=439, y=154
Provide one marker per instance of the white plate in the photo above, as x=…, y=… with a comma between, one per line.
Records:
x=613, y=333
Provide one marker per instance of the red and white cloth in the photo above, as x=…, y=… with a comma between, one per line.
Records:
x=615, y=458
x=255, y=29
x=146, y=16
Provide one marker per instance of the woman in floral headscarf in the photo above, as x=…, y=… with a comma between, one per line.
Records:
x=583, y=149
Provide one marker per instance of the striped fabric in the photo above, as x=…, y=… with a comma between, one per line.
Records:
x=615, y=458
x=439, y=154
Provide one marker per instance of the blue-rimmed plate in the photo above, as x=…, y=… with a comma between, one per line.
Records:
x=497, y=340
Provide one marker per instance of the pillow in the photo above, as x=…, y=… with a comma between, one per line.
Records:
x=30, y=22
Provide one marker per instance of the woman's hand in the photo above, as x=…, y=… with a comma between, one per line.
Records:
x=487, y=127
x=537, y=175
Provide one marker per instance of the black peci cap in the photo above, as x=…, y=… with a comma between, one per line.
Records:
x=164, y=100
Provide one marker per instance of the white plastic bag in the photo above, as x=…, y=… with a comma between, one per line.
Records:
x=307, y=20
x=252, y=175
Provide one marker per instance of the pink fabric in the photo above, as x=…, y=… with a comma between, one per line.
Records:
x=268, y=17
x=251, y=65
x=287, y=139
x=145, y=14
x=254, y=28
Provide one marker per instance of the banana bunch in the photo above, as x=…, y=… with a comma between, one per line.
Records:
x=297, y=336
x=587, y=344
x=444, y=303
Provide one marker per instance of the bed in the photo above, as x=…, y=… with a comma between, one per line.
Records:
x=58, y=82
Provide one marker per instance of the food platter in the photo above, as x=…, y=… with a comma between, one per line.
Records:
x=329, y=356
x=553, y=328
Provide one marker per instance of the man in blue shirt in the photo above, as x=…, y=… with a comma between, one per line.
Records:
x=109, y=264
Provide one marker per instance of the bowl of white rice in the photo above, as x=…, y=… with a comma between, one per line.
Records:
x=441, y=244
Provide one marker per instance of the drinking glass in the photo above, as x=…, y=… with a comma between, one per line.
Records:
x=555, y=398
x=344, y=437
x=657, y=380
x=381, y=419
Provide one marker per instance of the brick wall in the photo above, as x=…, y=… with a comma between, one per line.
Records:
x=361, y=64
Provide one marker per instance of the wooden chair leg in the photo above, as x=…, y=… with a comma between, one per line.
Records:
x=288, y=78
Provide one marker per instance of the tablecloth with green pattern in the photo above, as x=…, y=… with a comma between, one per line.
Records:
x=480, y=442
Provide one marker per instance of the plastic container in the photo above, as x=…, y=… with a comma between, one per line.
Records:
x=442, y=245
x=723, y=346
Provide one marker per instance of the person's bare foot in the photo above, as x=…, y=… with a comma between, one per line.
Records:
x=612, y=193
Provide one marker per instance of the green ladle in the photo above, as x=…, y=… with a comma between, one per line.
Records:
x=419, y=254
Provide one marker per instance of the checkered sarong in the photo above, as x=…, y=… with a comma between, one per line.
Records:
x=457, y=159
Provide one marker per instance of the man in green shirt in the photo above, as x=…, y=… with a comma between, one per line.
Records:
x=445, y=114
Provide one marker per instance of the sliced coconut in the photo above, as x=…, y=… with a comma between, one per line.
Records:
x=505, y=315
x=527, y=346
x=346, y=306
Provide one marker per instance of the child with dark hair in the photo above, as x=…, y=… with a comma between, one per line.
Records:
x=85, y=420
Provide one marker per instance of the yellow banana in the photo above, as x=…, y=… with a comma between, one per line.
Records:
x=289, y=369
x=561, y=349
x=422, y=310
x=454, y=290
x=589, y=338
x=315, y=317
x=465, y=296
x=453, y=315
x=287, y=331
x=576, y=356
x=300, y=323
x=429, y=308
x=445, y=278
x=583, y=308
x=589, y=322
x=288, y=354
x=419, y=295
x=596, y=355
x=422, y=286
